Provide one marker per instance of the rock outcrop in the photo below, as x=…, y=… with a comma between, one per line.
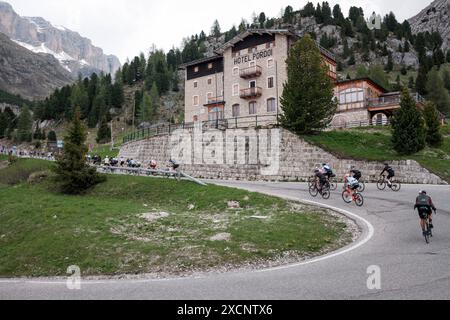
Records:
x=74, y=52
x=29, y=74
x=434, y=17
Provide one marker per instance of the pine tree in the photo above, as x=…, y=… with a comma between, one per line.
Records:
x=422, y=79
x=74, y=175
x=307, y=102
x=80, y=98
x=104, y=132
x=408, y=131
x=352, y=60
x=3, y=124
x=24, y=126
x=446, y=78
x=215, y=29
x=437, y=93
x=288, y=16
x=390, y=64
x=448, y=56
x=411, y=83
x=431, y=116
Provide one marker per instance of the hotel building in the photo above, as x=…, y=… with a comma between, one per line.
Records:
x=244, y=80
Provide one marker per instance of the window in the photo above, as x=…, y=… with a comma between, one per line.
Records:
x=235, y=71
x=196, y=69
x=215, y=114
x=195, y=84
x=210, y=66
x=209, y=97
x=351, y=95
x=236, y=109
x=195, y=100
x=271, y=105
x=209, y=81
x=252, y=108
x=270, y=63
x=235, y=90
x=270, y=82
x=252, y=84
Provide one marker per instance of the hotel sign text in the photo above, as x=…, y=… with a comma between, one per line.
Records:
x=253, y=57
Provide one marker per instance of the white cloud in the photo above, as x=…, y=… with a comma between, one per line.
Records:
x=127, y=27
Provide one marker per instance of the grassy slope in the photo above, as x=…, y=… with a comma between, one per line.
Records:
x=375, y=145
x=43, y=232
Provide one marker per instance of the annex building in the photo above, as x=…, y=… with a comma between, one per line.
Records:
x=244, y=81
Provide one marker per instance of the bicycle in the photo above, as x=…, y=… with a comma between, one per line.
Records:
x=325, y=192
x=362, y=187
x=428, y=234
x=356, y=197
x=383, y=183
x=333, y=183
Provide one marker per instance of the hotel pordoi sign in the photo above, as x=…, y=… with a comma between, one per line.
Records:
x=253, y=57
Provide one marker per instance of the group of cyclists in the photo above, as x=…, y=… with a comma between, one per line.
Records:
x=352, y=180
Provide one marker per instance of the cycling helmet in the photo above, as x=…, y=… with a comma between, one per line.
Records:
x=422, y=192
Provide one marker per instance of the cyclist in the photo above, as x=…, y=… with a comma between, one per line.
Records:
x=390, y=172
x=424, y=204
x=351, y=184
x=321, y=179
x=326, y=169
x=355, y=173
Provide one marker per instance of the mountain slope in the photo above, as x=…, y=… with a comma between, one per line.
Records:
x=29, y=74
x=75, y=53
x=434, y=17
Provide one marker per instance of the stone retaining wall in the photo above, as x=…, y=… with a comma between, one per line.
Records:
x=252, y=154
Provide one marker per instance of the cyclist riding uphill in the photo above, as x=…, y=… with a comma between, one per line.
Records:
x=326, y=169
x=425, y=205
x=390, y=172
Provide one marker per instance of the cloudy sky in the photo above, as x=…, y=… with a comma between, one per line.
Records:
x=127, y=27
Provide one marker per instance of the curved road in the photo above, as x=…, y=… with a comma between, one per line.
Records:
x=409, y=268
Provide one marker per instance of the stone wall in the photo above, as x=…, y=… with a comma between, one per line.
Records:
x=251, y=154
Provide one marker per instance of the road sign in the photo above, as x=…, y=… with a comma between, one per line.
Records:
x=60, y=144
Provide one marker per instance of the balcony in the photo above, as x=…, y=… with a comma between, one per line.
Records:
x=214, y=101
x=392, y=100
x=252, y=72
x=251, y=93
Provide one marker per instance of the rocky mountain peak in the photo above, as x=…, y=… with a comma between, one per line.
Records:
x=435, y=17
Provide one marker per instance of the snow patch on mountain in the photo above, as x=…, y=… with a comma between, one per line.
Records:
x=61, y=56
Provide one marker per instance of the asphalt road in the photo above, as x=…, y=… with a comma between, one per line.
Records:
x=391, y=241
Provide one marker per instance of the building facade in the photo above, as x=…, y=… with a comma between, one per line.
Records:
x=244, y=80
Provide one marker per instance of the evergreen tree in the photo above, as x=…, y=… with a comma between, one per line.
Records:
x=437, y=93
x=52, y=136
x=431, y=116
x=390, y=64
x=262, y=19
x=338, y=15
x=307, y=102
x=79, y=98
x=74, y=175
x=339, y=67
x=406, y=47
x=408, y=131
x=326, y=13
x=3, y=124
x=448, y=56
x=446, y=78
x=24, y=126
x=377, y=74
x=352, y=60
x=104, y=132
x=411, y=83
x=288, y=16
x=117, y=95
x=146, y=109
x=354, y=14
x=308, y=10
x=215, y=29
x=362, y=72
x=438, y=57
x=37, y=135
x=422, y=79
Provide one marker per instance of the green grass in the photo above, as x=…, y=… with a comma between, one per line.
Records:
x=105, y=150
x=43, y=232
x=21, y=170
x=374, y=144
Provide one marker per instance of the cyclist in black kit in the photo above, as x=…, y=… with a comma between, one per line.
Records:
x=390, y=172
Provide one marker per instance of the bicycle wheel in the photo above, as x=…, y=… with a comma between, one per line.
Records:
x=362, y=187
x=326, y=193
x=359, y=200
x=381, y=184
x=311, y=181
x=346, y=197
x=396, y=186
x=313, y=191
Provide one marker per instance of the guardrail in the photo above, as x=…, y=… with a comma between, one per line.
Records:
x=360, y=124
x=221, y=124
